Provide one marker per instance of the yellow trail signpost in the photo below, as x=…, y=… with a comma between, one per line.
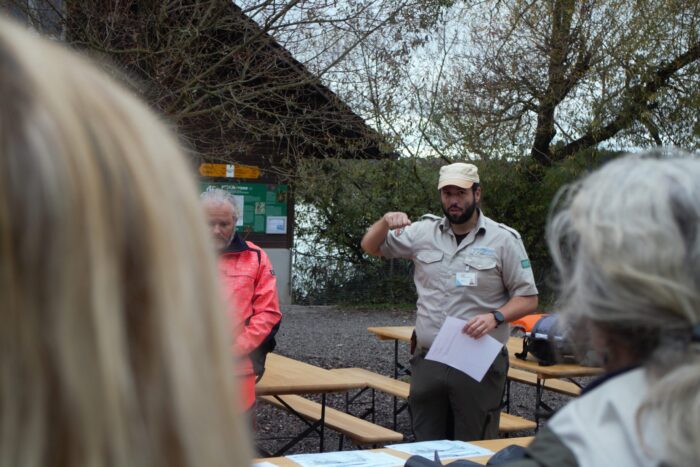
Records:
x=229, y=171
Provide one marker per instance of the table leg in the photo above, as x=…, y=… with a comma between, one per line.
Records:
x=507, y=395
x=396, y=359
x=323, y=420
x=399, y=369
x=538, y=402
x=318, y=426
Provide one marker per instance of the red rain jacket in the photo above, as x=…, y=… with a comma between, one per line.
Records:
x=250, y=291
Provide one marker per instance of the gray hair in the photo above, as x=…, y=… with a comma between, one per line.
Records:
x=217, y=195
x=626, y=243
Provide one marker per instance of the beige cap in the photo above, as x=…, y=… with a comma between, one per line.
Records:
x=458, y=174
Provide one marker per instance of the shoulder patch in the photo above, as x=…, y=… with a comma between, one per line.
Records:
x=511, y=230
x=430, y=217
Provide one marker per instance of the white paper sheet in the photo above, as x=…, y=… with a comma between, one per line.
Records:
x=456, y=349
x=446, y=449
x=264, y=464
x=240, y=200
x=347, y=458
x=276, y=225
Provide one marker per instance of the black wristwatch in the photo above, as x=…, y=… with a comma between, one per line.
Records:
x=498, y=316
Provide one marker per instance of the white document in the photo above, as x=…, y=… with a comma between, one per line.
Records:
x=445, y=449
x=240, y=201
x=347, y=458
x=276, y=225
x=456, y=349
x=264, y=464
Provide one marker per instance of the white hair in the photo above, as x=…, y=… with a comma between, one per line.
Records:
x=626, y=243
x=219, y=196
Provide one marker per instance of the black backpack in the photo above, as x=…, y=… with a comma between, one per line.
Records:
x=259, y=354
x=549, y=342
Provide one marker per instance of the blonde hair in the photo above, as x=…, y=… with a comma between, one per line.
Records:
x=626, y=243
x=113, y=346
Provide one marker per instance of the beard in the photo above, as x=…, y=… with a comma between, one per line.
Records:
x=222, y=243
x=462, y=218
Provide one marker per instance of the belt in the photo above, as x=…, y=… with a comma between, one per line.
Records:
x=424, y=350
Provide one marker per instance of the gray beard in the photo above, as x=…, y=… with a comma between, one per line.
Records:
x=230, y=239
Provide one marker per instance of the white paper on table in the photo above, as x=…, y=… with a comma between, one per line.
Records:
x=347, y=458
x=446, y=449
x=456, y=349
x=264, y=464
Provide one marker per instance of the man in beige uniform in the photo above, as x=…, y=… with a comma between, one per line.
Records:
x=469, y=267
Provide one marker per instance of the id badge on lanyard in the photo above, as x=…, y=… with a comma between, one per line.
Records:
x=465, y=279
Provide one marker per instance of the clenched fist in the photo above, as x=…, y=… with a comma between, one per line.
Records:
x=396, y=220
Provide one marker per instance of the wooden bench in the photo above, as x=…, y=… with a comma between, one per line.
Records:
x=360, y=431
x=508, y=423
x=375, y=381
x=551, y=384
x=557, y=385
x=400, y=389
x=379, y=382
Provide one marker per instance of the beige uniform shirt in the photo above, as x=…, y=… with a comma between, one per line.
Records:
x=480, y=275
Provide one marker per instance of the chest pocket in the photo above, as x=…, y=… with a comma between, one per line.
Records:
x=238, y=288
x=238, y=281
x=488, y=276
x=481, y=263
x=428, y=264
x=429, y=256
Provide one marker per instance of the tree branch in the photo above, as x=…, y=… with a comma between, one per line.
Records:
x=637, y=103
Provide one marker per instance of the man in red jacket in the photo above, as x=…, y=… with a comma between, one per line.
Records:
x=249, y=285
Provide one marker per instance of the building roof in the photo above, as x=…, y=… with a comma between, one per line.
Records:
x=277, y=105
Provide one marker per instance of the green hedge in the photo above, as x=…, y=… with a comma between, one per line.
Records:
x=342, y=198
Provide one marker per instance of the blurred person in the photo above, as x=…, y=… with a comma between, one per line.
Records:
x=626, y=243
x=250, y=288
x=114, y=351
x=469, y=267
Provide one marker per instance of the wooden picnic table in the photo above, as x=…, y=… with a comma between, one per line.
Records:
x=395, y=333
x=565, y=371
x=492, y=444
x=400, y=333
x=558, y=370
x=286, y=376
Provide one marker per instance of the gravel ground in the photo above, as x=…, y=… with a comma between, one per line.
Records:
x=334, y=337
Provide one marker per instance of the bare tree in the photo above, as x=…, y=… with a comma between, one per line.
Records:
x=215, y=70
x=552, y=78
x=445, y=78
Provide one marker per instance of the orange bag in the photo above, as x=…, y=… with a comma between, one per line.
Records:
x=526, y=323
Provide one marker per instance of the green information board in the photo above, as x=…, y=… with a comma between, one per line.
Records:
x=264, y=205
